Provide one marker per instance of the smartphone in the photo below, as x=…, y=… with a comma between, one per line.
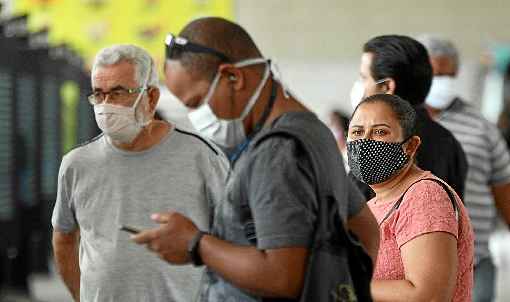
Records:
x=129, y=229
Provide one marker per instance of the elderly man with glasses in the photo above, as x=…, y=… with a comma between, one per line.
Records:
x=111, y=184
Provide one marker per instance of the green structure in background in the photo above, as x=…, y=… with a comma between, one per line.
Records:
x=70, y=96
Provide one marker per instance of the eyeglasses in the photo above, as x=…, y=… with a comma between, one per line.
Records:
x=174, y=45
x=115, y=95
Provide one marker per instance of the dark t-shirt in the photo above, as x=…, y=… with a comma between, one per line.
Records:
x=271, y=198
x=439, y=153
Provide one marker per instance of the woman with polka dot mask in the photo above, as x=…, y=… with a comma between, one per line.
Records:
x=426, y=238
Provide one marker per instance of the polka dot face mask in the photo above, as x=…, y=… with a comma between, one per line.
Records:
x=374, y=162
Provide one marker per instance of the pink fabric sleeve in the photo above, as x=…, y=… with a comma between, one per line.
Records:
x=426, y=208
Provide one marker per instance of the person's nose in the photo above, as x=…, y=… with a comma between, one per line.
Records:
x=106, y=98
x=367, y=135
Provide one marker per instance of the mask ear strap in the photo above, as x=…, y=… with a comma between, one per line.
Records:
x=248, y=62
x=257, y=91
x=383, y=81
x=148, y=75
x=277, y=75
x=211, y=90
x=145, y=88
x=405, y=141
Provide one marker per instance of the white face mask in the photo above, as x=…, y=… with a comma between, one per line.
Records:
x=358, y=92
x=226, y=133
x=441, y=94
x=121, y=124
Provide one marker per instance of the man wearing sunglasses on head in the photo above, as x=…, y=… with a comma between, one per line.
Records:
x=137, y=166
x=263, y=229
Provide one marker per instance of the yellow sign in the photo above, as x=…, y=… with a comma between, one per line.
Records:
x=89, y=25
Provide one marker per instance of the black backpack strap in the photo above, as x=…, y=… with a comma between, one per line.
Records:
x=451, y=195
x=445, y=187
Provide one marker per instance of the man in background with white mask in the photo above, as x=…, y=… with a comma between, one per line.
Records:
x=400, y=65
x=488, y=180
x=139, y=165
x=263, y=230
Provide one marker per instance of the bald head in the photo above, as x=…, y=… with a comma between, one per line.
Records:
x=219, y=34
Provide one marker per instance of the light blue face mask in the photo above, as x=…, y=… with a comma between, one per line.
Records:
x=226, y=133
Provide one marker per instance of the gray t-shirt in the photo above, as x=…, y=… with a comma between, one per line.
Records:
x=102, y=187
x=271, y=198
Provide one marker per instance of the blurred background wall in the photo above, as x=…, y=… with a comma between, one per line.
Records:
x=316, y=43
x=319, y=42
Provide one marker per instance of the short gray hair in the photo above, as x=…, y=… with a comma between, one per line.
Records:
x=439, y=47
x=139, y=57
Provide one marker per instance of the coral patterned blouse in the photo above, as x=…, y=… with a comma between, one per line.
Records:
x=425, y=208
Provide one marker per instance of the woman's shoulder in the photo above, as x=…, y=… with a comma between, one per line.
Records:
x=425, y=208
x=426, y=182
x=430, y=191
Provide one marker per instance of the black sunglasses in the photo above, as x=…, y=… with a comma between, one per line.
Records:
x=178, y=44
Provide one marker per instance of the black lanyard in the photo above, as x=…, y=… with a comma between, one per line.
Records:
x=242, y=147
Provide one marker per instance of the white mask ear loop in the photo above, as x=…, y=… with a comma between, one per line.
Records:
x=257, y=91
x=216, y=79
x=249, y=62
x=255, y=95
x=277, y=74
x=381, y=81
x=140, y=96
x=211, y=90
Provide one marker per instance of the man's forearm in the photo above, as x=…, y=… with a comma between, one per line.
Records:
x=365, y=227
x=258, y=272
x=66, y=259
x=393, y=291
x=502, y=199
x=405, y=290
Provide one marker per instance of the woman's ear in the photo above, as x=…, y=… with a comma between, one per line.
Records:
x=412, y=146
